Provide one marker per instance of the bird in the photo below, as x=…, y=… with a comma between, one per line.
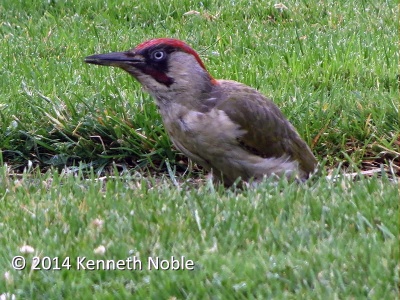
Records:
x=228, y=128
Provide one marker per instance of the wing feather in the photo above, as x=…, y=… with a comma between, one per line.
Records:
x=268, y=132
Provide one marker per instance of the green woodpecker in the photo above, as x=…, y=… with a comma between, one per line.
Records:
x=225, y=126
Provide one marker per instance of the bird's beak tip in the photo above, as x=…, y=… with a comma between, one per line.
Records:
x=101, y=59
x=90, y=59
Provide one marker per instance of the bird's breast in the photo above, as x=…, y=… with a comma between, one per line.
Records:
x=200, y=131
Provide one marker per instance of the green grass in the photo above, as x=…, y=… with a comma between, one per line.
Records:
x=316, y=241
x=332, y=68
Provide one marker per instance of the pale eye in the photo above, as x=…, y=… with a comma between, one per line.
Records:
x=158, y=55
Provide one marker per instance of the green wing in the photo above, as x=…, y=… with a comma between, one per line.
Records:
x=269, y=133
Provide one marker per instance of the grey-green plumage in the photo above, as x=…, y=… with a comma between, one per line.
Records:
x=225, y=126
x=269, y=133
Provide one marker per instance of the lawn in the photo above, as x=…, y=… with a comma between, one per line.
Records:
x=90, y=182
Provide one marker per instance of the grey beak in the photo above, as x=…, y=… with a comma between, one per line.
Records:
x=113, y=59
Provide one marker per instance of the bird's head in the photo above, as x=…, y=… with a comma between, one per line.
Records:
x=167, y=68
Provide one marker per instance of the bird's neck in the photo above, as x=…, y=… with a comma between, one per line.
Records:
x=192, y=94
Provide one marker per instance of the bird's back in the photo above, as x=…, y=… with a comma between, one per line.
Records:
x=268, y=132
